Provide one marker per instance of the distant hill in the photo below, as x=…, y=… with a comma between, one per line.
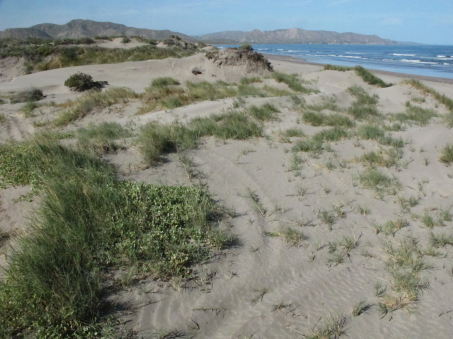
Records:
x=293, y=36
x=86, y=28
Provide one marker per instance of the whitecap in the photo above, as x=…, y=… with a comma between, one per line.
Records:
x=404, y=54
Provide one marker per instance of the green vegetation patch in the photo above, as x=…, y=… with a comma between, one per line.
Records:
x=417, y=114
x=443, y=99
x=100, y=139
x=446, y=155
x=156, y=140
x=89, y=223
x=378, y=181
x=90, y=101
x=321, y=119
x=291, y=80
x=366, y=75
x=27, y=96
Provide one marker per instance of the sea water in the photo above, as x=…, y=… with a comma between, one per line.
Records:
x=427, y=60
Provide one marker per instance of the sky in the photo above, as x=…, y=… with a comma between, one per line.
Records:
x=422, y=21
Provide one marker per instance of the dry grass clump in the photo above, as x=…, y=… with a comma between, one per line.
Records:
x=333, y=327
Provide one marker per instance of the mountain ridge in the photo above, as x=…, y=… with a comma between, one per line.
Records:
x=80, y=28
x=294, y=35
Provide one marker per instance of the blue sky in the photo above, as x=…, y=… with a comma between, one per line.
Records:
x=424, y=21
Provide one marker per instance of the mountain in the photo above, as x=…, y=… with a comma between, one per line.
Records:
x=293, y=36
x=86, y=28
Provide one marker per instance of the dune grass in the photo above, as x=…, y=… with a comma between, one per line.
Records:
x=378, y=181
x=100, y=139
x=321, y=119
x=155, y=139
x=91, y=101
x=442, y=98
x=446, y=155
x=292, y=81
x=416, y=114
x=89, y=223
x=365, y=105
x=366, y=75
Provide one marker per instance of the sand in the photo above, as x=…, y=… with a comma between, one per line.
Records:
x=303, y=283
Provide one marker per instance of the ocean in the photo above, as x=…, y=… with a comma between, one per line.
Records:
x=426, y=60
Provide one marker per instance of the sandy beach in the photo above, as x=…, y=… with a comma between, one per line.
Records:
x=321, y=245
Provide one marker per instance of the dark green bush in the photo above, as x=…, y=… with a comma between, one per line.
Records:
x=80, y=82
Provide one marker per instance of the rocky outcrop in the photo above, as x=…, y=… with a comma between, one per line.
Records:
x=245, y=56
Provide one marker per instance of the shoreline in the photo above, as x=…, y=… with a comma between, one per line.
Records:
x=396, y=74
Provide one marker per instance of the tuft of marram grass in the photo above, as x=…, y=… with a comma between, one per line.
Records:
x=320, y=119
x=291, y=80
x=378, y=181
x=446, y=155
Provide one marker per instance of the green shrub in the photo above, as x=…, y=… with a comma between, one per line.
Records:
x=125, y=40
x=80, y=82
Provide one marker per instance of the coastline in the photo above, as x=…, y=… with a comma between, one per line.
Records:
x=395, y=74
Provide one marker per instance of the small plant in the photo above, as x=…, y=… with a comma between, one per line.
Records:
x=447, y=154
x=261, y=293
x=258, y=206
x=125, y=40
x=333, y=327
x=380, y=289
x=360, y=308
x=291, y=236
x=327, y=217
x=80, y=82
x=378, y=181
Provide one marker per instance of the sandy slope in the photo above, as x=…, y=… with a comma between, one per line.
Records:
x=304, y=280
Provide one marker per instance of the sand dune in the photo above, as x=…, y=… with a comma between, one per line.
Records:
x=267, y=287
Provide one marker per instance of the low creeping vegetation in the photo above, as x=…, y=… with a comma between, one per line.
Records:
x=89, y=224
